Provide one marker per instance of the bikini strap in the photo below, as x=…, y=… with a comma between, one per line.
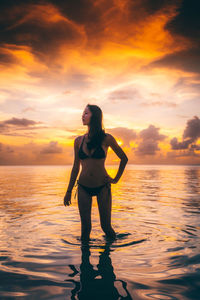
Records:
x=82, y=141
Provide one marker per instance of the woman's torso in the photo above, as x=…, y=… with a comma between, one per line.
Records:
x=93, y=170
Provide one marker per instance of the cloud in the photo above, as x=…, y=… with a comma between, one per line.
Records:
x=149, y=141
x=179, y=145
x=52, y=148
x=78, y=80
x=38, y=25
x=152, y=133
x=124, y=95
x=11, y=127
x=13, y=123
x=184, y=25
x=49, y=28
x=195, y=147
x=6, y=57
x=184, y=153
x=187, y=60
x=147, y=147
x=192, y=129
x=20, y=122
x=124, y=134
x=190, y=135
x=29, y=108
x=188, y=86
x=159, y=103
x=186, y=22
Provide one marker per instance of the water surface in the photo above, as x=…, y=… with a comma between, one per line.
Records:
x=41, y=256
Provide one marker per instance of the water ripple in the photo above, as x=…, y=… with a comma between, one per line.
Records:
x=155, y=257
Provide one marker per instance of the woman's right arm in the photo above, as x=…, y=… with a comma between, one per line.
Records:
x=74, y=172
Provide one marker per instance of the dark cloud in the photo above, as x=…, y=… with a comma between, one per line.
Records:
x=190, y=135
x=39, y=26
x=85, y=12
x=20, y=122
x=124, y=134
x=192, y=129
x=52, y=148
x=187, y=60
x=186, y=25
x=7, y=58
x=195, y=147
x=179, y=145
x=152, y=133
x=187, y=22
x=44, y=26
x=150, y=138
x=11, y=127
x=146, y=8
x=147, y=147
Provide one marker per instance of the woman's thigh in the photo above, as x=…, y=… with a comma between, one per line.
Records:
x=104, y=200
x=84, y=203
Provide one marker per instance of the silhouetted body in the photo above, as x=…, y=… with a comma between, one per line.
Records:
x=90, y=151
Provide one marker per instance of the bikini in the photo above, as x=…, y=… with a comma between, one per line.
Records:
x=99, y=153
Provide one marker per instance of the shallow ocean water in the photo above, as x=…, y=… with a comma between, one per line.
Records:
x=155, y=210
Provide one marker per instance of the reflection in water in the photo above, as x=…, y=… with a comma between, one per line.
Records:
x=96, y=284
x=192, y=182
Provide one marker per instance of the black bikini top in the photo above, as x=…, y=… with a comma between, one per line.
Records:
x=98, y=153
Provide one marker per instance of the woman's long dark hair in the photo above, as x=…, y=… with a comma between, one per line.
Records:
x=96, y=132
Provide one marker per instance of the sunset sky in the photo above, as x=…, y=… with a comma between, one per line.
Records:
x=139, y=60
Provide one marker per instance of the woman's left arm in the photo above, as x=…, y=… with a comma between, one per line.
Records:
x=121, y=154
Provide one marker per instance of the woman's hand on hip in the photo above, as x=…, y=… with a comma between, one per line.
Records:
x=110, y=179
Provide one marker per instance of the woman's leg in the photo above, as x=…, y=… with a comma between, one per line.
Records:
x=104, y=200
x=84, y=205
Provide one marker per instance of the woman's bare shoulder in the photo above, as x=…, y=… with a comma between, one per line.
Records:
x=78, y=139
x=108, y=138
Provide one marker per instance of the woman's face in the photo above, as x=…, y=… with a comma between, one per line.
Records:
x=86, y=116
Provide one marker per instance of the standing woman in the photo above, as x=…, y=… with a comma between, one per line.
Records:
x=90, y=151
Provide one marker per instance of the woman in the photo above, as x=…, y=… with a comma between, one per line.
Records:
x=90, y=150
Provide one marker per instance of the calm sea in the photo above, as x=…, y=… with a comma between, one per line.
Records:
x=156, y=212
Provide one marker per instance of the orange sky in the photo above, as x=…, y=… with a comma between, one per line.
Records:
x=137, y=60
